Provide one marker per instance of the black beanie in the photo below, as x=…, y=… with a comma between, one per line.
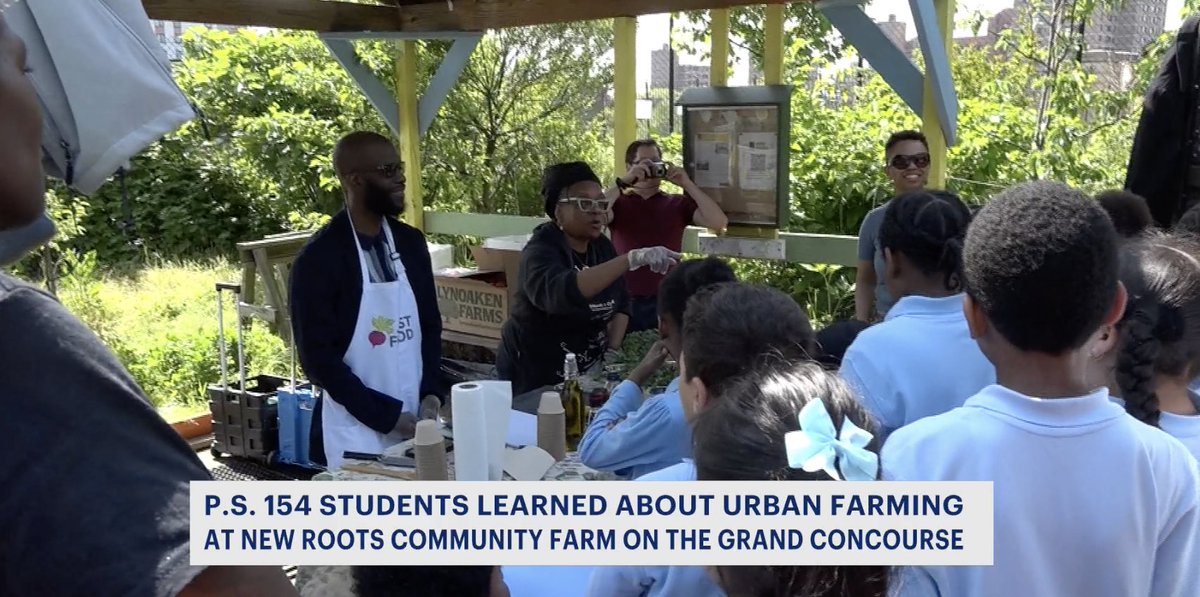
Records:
x=560, y=176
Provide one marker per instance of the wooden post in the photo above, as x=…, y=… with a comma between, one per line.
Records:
x=931, y=123
x=719, y=69
x=410, y=132
x=624, y=89
x=773, y=45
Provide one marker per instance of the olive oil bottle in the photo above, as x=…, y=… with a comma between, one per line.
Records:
x=573, y=402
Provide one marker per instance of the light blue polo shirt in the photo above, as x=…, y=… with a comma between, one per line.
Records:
x=632, y=436
x=919, y=362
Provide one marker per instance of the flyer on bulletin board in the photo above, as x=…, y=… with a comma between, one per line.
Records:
x=712, y=163
x=757, y=156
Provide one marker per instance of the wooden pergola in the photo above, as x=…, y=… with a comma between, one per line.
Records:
x=930, y=94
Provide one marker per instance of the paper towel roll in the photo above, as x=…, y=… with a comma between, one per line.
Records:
x=429, y=452
x=497, y=401
x=470, y=432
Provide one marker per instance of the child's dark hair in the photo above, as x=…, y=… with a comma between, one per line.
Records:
x=427, y=581
x=899, y=137
x=729, y=328
x=834, y=339
x=1129, y=212
x=1189, y=223
x=685, y=280
x=1160, y=331
x=741, y=438
x=928, y=227
x=1041, y=260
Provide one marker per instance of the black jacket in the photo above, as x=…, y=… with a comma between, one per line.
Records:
x=1158, y=164
x=549, y=315
x=326, y=288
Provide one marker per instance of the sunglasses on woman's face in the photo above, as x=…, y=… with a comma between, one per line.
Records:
x=902, y=162
x=586, y=204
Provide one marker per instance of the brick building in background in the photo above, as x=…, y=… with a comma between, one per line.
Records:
x=687, y=76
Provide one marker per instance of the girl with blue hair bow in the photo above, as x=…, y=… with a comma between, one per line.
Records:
x=791, y=421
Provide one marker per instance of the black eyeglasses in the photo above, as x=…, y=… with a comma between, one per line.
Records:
x=387, y=170
x=902, y=162
x=585, y=204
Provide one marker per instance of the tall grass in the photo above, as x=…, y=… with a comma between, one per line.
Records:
x=162, y=323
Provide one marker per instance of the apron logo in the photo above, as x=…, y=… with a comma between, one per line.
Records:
x=390, y=331
x=382, y=326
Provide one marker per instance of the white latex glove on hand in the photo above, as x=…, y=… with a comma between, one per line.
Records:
x=658, y=259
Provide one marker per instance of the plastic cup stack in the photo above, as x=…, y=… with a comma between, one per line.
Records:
x=429, y=451
x=552, y=426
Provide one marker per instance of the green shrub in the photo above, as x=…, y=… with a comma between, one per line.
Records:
x=162, y=325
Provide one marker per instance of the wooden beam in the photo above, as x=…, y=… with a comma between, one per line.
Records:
x=430, y=16
x=410, y=132
x=718, y=30
x=309, y=15
x=773, y=46
x=624, y=89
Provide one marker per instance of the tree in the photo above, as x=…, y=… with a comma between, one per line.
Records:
x=258, y=159
x=529, y=97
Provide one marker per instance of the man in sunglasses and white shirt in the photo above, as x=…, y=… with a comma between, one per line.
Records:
x=907, y=166
x=364, y=310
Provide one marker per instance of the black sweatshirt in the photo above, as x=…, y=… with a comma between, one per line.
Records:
x=326, y=288
x=550, y=316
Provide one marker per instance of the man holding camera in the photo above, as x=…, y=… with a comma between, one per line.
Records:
x=642, y=215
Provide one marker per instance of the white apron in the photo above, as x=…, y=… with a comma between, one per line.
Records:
x=384, y=352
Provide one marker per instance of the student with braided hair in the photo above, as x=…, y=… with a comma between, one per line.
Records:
x=1153, y=352
x=892, y=365
x=1073, y=475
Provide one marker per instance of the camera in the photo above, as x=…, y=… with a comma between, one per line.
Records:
x=657, y=169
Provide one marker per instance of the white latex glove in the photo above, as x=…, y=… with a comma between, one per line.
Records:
x=658, y=259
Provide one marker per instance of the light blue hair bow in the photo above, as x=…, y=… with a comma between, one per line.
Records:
x=818, y=446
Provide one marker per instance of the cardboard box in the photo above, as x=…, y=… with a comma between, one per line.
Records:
x=476, y=300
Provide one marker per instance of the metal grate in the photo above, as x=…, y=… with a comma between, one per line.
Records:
x=238, y=469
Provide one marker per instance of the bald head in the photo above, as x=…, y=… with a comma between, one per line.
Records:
x=371, y=173
x=354, y=151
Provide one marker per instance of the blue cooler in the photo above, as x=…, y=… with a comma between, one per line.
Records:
x=296, y=406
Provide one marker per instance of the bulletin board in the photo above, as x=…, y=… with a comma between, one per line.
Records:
x=736, y=146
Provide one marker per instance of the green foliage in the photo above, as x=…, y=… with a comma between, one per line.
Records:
x=528, y=98
x=161, y=323
x=634, y=349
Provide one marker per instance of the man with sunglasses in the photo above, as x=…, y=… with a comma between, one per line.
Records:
x=907, y=165
x=364, y=310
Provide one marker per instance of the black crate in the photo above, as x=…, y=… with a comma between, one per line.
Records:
x=246, y=423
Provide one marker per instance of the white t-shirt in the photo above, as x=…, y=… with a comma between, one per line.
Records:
x=1088, y=501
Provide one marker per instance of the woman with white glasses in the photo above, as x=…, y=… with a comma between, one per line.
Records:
x=570, y=295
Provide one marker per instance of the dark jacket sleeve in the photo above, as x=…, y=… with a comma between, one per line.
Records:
x=549, y=280
x=420, y=276
x=321, y=312
x=1159, y=159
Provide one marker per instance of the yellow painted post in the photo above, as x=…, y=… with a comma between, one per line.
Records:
x=719, y=69
x=773, y=46
x=624, y=89
x=410, y=132
x=931, y=123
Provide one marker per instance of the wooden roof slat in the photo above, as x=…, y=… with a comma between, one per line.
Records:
x=414, y=16
x=308, y=15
